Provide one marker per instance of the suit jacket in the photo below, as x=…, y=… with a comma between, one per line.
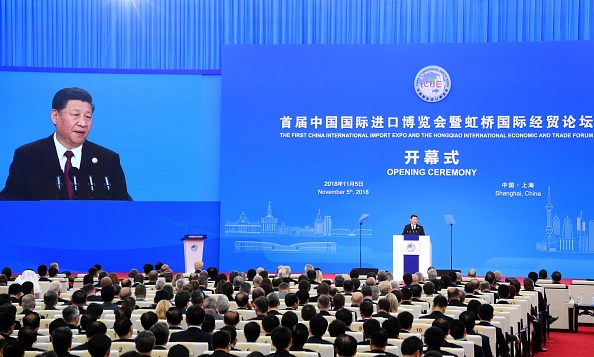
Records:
x=436, y=315
x=486, y=344
x=380, y=352
x=316, y=339
x=501, y=345
x=32, y=173
x=221, y=353
x=281, y=353
x=418, y=230
x=192, y=334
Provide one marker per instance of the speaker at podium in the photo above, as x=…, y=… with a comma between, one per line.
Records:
x=410, y=253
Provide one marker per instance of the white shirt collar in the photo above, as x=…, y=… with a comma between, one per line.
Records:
x=61, y=150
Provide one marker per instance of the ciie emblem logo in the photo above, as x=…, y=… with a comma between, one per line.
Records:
x=410, y=247
x=432, y=84
x=194, y=247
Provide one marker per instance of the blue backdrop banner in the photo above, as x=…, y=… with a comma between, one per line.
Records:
x=497, y=135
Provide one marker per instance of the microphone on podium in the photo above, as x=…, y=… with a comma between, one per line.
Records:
x=72, y=175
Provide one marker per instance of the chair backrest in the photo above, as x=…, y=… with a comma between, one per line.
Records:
x=122, y=347
x=304, y=354
x=490, y=332
x=357, y=326
x=356, y=334
x=195, y=348
x=468, y=346
x=264, y=348
x=459, y=352
x=246, y=314
x=264, y=339
x=420, y=326
x=159, y=353
x=323, y=349
x=477, y=340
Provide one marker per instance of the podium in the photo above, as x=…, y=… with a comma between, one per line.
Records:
x=410, y=253
x=193, y=249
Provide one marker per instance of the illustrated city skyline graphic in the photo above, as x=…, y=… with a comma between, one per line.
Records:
x=268, y=226
x=561, y=238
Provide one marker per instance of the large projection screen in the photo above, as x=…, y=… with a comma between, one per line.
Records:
x=315, y=136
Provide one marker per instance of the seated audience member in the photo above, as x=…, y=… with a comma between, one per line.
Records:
x=485, y=314
x=79, y=299
x=345, y=346
x=221, y=344
x=251, y=331
x=317, y=328
x=144, y=342
x=556, y=277
x=12, y=349
x=161, y=333
x=458, y=332
x=291, y=301
x=28, y=304
x=95, y=309
x=62, y=341
x=233, y=333
x=148, y=319
x=412, y=347
x=261, y=307
x=242, y=300
x=71, y=316
x=123, y=328
x=99, y=345
x=454, y=297
x=194, y=318
x=27, y=337
x=307, y=312
x=174, y=318
x=379, y=341
x=468, y=318
x=269, y=323
x=338, y=302
x=93, y=329
x=345, y=316
x=383, y=306
x=289, y=319
x=336, y=328
x=303, y=297
x=440, y=303
x=107, y=295
x=178, y=351
x=366, y=310
x=405, y=319
x=231, y=318
x=209, y=324
x=368, y=327
x=324, y=305
x=281, y=340
x=273, y=304
x=299, y=338
x=50, y=300
x=434, y=338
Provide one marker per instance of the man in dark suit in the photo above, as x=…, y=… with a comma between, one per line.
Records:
x=440, y=304
x=413, y=227
x=42, y=170
x=486, y=315
x=221, y=344
x=194, y=318
x=378, y=343
x=281, y=340
x=469, y=320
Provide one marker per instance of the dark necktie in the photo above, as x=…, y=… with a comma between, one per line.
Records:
x=67, y=167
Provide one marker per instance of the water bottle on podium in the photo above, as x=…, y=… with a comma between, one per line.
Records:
x=580, y=299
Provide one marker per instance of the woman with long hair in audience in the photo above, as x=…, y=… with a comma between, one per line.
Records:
x=115, y=279
x=393, y=302
x=162, y=307
x=318, y=275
